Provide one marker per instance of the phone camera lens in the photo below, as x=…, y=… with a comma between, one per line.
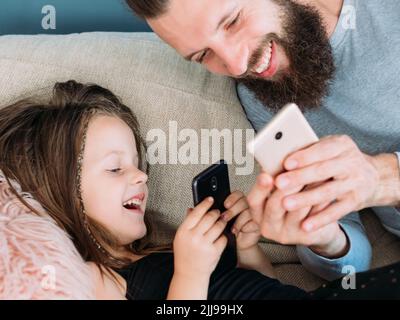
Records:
x=278, y=136
x=214, y=184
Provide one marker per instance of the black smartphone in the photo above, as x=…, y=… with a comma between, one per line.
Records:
x=214, y=182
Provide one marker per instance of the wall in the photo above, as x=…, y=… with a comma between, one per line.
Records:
x=71, y=16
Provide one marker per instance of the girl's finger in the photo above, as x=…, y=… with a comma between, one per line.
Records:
x=240, y=206
x=207, y=221
x=194, y=215
x=215, y=231
x=232, y=199
x=241, y=220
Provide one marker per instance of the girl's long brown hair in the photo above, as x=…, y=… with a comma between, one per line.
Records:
x=40, y=144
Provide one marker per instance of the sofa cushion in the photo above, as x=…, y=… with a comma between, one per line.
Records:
x=37, y=258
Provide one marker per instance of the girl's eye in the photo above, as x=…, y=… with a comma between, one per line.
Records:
x=116, y=170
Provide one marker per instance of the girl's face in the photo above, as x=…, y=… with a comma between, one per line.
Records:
x=114, y=190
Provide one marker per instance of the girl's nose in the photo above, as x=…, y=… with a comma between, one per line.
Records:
x=139, y=177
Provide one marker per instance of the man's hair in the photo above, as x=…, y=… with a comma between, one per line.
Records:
x=148, y=9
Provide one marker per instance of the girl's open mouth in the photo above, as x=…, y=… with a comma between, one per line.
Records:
x=134, y=204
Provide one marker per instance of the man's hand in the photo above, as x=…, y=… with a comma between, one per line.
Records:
x=285, y=227
x=350, y=180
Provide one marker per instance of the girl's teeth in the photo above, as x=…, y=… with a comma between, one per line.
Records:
x=136, y=202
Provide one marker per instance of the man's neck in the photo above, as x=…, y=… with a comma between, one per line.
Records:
x=329, y=10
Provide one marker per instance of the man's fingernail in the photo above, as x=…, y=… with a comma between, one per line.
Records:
x=227, y=204
x=283, y=182
x=291, y=164
x=234, y=230
x=308, y=226
x=210, y=199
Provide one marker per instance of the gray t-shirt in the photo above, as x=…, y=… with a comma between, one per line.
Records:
x=364, y=99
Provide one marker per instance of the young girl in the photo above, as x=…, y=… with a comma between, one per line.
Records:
x=81, y=156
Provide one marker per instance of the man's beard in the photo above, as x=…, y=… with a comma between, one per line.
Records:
x=311, y=62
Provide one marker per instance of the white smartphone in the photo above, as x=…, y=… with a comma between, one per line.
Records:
x=286, y=133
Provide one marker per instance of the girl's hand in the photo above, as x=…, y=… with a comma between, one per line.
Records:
x=199, y=242
x=246, y=230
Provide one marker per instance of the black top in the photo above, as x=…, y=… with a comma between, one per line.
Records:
x=149, y=279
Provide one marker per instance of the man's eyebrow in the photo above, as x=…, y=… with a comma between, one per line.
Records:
x=221, y=22
x=224, y=18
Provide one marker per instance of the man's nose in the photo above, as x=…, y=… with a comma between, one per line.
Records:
x=234, y=58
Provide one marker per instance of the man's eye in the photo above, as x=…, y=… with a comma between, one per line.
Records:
x=116, y=170
x=235, y=21
x=203, y=55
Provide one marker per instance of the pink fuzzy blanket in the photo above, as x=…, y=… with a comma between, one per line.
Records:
x=37, y=258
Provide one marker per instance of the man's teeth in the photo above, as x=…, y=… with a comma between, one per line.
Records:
x=265, y=60
x=132, y=202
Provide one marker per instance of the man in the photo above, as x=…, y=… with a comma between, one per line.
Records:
x=338, y=60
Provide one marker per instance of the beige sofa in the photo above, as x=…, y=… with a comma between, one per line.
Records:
x=160, y=87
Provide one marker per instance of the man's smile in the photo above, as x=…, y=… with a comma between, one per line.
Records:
x=267, y=64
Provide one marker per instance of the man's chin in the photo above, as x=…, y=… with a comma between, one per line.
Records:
x=274, y=94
